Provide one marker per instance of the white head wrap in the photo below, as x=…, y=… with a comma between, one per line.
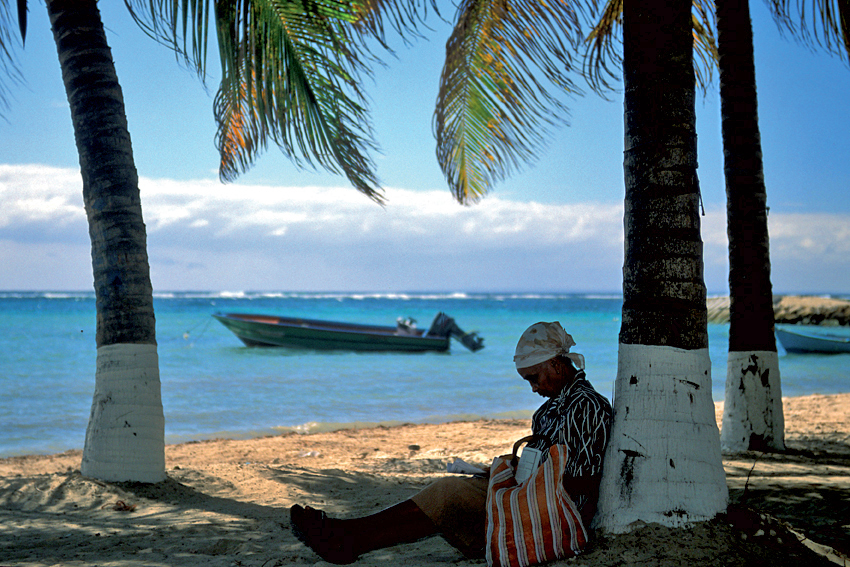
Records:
x=544, y=341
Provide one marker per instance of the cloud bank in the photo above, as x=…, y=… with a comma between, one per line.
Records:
x=203, y=235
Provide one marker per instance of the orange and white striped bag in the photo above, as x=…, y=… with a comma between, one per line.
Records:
x=533, y=522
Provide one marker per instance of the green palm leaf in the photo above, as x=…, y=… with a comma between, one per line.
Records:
x=182, y=25
x=493, y=110
x=289, y=76
x=404, y=17
x=291, y=73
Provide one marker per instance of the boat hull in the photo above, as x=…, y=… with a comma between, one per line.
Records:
x=801, y=342
x=270, y=331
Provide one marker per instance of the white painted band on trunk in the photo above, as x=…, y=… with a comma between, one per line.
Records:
x=753, y=401
x=125, y=438
x=663, y=463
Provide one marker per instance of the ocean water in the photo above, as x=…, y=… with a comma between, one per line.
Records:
x=213, y=386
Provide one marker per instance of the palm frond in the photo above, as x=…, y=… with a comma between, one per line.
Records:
x=404, y=17
x=238, y=139
x=291, y=72
x=181, y=25
x=604, y=47
x=706, y=57
x=493, y=110
x=844, y=12
x=10, y=72
x=289, y=76
x=603, y=60
x=824, y=23
x=22, y=19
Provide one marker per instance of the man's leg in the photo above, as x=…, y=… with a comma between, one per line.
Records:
x=454, y=507
x=342, y=541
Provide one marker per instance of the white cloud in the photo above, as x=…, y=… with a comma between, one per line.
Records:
x=40, y=194
x=804, y=236
x=205, y=235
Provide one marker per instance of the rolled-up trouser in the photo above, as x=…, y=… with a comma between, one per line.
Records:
x=458, y=507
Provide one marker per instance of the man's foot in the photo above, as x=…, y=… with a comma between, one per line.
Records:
x=326, y=536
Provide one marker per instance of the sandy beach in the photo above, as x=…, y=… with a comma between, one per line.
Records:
x=226, y=502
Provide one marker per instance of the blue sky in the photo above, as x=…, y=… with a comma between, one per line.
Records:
x=556, y=226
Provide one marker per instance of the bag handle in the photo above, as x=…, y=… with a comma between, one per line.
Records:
x=519, y=443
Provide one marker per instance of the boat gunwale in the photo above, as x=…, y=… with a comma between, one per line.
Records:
x=829, y=337
x=808, y=342
x=323, y=325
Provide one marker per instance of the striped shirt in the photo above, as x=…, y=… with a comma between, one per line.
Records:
x=580, y=418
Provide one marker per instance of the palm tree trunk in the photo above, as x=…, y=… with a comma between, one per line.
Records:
x=752, y=414
x=663, y=462
x=125, y=435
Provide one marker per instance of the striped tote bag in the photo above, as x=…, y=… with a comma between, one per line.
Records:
x=533, y=522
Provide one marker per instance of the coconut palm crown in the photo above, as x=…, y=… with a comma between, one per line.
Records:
x=510, y=65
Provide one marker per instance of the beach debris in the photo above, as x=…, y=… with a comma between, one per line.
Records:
x=309, y=454
x=120, y=506
x=414, y=447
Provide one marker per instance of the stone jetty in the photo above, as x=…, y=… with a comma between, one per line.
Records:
x=792, y=309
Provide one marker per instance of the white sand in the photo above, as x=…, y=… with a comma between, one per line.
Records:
x=226, y=502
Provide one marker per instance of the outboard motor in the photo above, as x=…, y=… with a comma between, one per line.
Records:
x=443, y=326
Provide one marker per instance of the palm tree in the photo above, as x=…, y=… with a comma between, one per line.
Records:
x=752, y=414
x=289, y=76
x=663, y=462
x=753, y=410
x=125, y=435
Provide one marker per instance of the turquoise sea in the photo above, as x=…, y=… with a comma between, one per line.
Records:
x=213, y=386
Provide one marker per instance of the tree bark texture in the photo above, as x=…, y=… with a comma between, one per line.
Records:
x=663, y=287
x=123, y=290
x=751, y=293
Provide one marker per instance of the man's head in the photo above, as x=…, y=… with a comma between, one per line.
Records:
x=543, y=358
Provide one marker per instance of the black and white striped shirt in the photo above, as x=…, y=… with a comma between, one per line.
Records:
x=580, y=418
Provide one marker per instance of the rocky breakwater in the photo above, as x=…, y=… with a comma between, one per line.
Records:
x=792, y=309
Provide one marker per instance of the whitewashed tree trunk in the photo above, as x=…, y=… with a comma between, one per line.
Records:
x=663, y=463
x=752, y=414
x=125, y=434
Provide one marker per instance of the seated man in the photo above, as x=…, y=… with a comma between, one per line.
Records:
x=455, y=507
